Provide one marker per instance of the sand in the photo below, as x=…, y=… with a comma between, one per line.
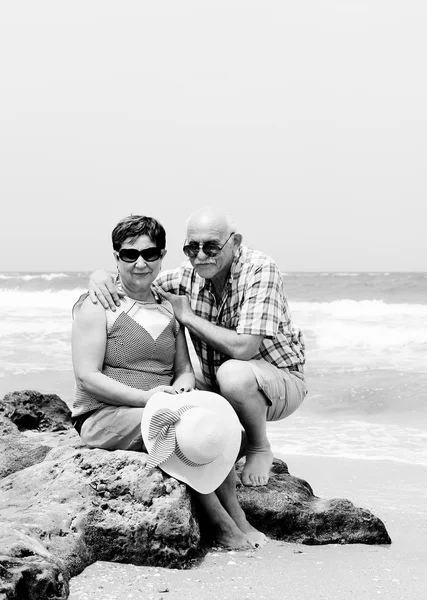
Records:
x=395, y=492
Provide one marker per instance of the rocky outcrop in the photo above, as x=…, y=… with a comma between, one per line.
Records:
x=78, y=505
x=288, y=510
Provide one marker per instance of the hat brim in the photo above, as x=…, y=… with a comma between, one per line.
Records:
x=206, y=478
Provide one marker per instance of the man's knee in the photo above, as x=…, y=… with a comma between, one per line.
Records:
x=236, y=378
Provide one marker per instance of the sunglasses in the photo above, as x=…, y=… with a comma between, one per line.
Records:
x=130, y=255
x=209, y=248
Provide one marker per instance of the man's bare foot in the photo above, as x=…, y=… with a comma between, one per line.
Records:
x=257, y=468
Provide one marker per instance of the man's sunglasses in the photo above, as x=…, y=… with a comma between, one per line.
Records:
x=209, y=248
x=130, y=255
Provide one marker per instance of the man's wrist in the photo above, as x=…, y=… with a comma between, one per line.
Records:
x=189, y=318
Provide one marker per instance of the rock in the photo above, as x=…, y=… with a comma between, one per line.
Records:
x=32, y=410
x=20, y=451
x=288, y=510
x=57, y=519
x=64, y=507
x=16, y=451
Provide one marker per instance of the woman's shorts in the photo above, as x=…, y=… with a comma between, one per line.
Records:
x=114, y=428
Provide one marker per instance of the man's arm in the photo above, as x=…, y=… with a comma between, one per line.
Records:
x=240, y=346
x=102, y=288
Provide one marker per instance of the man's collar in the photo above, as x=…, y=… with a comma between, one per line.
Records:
x=237, y=264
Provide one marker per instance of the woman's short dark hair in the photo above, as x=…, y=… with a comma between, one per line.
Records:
x=133, y=226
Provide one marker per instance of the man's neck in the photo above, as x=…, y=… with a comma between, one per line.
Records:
x=219, y=282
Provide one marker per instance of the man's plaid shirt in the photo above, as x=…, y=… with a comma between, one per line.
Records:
x=253, y=302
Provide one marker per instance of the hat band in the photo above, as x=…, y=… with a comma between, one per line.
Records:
x=162, y=428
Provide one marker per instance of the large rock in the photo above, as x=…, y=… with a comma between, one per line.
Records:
x=78, y=506
x=286, y=509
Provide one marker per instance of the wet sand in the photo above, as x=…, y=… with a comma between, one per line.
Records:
x=394, y=492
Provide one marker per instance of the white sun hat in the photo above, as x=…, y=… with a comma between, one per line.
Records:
x=194, y=437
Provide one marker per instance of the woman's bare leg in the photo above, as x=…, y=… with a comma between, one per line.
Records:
x=227, y=533
x=227, y=496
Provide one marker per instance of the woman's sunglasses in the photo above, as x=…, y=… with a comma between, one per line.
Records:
x=130, y=255
x=209, y=248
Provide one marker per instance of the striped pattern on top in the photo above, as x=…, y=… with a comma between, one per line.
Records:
x=132, y=356
x=253, y=302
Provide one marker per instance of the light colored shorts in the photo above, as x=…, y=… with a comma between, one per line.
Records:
x=284, y=390
x=114, y=428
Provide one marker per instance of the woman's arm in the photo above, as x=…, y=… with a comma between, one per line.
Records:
x=184, y=379
x=89, y=338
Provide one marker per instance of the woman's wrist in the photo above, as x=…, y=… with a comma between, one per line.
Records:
x=143, y=399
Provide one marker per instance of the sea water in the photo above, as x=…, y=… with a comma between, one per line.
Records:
x=366, y=351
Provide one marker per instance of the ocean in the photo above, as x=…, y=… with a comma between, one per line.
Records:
x=366, y=350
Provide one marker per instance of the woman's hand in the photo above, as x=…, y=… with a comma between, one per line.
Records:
x=168, y=389
x=182, y=388
x=102, y=287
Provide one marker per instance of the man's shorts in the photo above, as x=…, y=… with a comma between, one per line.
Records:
x=284, y=390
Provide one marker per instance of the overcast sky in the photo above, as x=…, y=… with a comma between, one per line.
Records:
x=306, y=120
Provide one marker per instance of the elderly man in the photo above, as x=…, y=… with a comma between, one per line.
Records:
x=232, y=301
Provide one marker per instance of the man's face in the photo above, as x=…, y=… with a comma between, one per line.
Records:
x=211, y=267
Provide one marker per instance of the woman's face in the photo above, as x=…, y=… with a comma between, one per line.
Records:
x=139, y=275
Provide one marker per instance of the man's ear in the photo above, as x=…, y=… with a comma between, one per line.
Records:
x=237, y=240
x=116, y=257
x=164, y=252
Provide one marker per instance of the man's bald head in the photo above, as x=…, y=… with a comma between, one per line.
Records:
x=210, y=217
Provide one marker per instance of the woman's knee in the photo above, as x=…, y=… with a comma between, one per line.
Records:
x=235, y=377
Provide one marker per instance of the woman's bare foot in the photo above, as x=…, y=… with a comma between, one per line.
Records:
x=226, y=532
x=234, y=539
x=257, y=537
x=257, y=468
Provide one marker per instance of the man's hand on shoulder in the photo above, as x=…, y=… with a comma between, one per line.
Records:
x=180, y=305
x=102, y=289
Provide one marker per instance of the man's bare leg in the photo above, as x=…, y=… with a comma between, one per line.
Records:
x=227, y=496
x=228, y=534
x=238, y=385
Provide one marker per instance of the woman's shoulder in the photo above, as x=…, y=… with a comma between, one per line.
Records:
x=84, y=308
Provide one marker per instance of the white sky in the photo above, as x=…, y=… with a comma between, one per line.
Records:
x=307, y=120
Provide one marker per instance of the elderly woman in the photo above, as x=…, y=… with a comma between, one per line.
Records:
x=123, y=358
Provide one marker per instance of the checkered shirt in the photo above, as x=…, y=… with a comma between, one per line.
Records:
x=253, y=302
